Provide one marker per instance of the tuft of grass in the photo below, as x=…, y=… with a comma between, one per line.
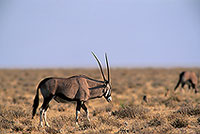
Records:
x=5, y=123
x=58, y=122
x=171, y=101
x=198, y=120
x=17, y=112
x=156, y=84
x=123, y=131
x=177, y=120
x=189, y=110
x=154, y=122
x=51, y=130
x=87, y=125
x=109, y=121
x=99, y=110
x=179, y=123
x=26, y=122
x=131, y=111
x=105, y=131
x=18, y=128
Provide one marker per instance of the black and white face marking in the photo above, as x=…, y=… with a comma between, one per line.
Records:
x=107, y=94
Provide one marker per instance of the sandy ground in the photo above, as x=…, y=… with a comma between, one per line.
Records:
x=163, y=112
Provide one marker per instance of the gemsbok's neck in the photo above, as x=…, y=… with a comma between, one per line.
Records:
x=96, y=91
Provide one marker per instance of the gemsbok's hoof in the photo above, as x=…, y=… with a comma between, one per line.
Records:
x=47, y=125
x=41, y=125
x=77, y=124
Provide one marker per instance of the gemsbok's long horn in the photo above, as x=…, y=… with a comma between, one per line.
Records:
x=99, y=66
x=108, y=69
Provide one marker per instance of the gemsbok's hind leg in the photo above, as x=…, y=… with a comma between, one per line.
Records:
x=43, y=109
x=189, y=86
x=86, y=111
x=41, y=116
x=182, y=86
x=78, y=108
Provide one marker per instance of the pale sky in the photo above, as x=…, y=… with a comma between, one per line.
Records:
x=133, y=33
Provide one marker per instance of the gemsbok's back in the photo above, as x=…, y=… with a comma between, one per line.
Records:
x=79, y=88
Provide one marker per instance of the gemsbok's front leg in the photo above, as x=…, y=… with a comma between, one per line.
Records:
x=179, y=82
x=45, y=117
x=78, y=108
x=86, y=111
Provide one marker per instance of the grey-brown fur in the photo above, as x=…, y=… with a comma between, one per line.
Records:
x=188, y=77
x=79, y=88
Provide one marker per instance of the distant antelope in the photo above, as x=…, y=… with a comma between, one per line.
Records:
x=189, y=78
x=79, y=88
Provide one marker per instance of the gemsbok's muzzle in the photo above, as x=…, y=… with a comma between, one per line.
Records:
x=108, y=95
x=109, y=99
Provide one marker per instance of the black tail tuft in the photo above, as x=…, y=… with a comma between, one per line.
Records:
x=35, y=103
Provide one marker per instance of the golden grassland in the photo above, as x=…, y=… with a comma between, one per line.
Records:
x=177, y=112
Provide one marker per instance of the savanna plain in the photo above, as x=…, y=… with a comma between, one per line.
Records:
x=143, y=102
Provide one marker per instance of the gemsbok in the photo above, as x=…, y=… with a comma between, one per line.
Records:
x=79, y=88
x=188, y=77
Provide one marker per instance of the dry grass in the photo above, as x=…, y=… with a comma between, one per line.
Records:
x=163, y=111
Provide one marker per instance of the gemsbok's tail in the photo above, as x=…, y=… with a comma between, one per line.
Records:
x=35, y=102
x=179, y=81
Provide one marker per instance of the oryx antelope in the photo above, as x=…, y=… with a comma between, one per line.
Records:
x=79, y=88
x=188, y=77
